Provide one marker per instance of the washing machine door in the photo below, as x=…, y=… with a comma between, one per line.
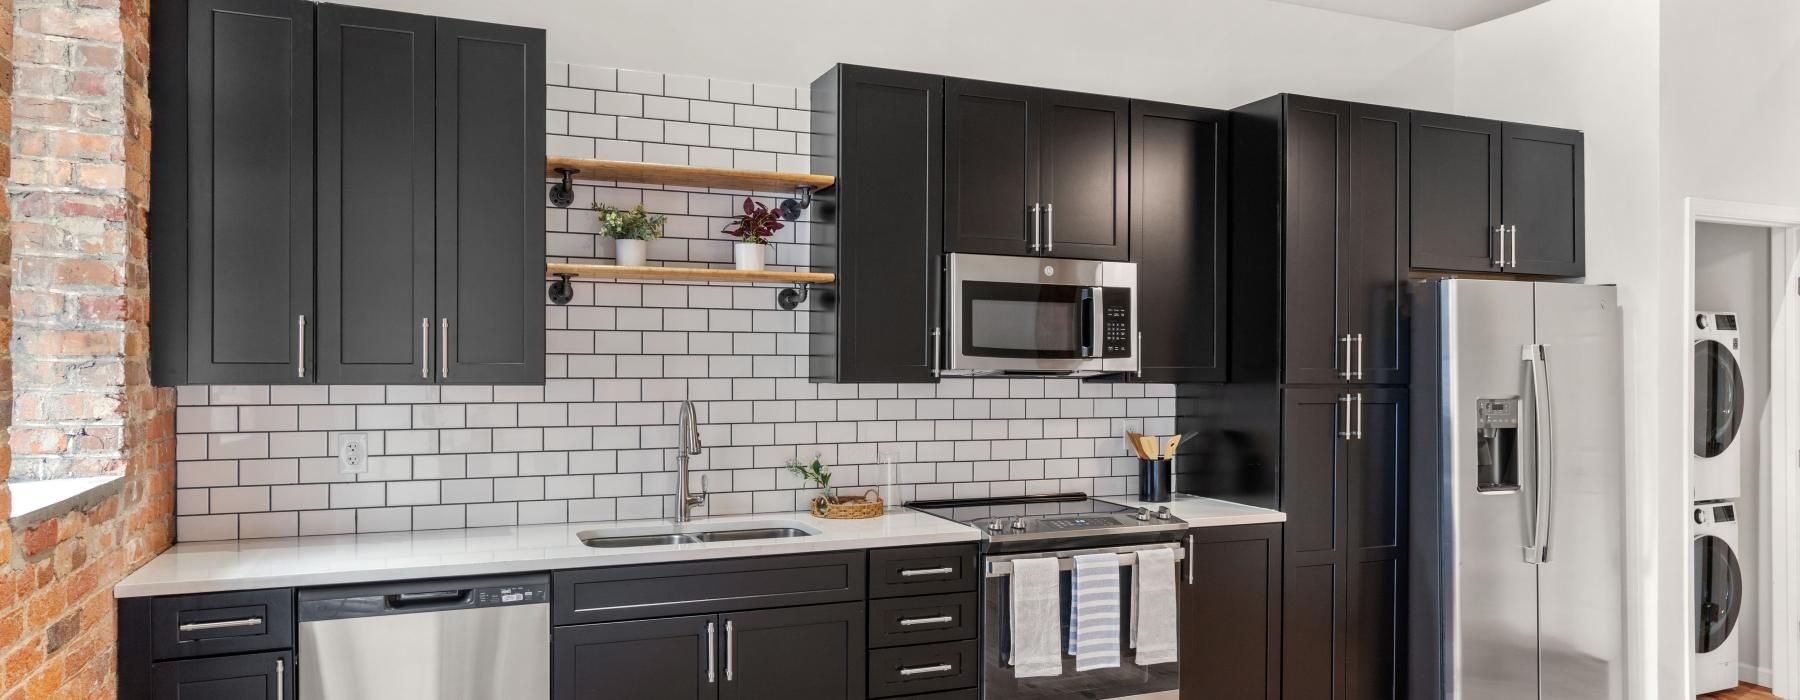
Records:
x=1718, y=592
x=1718, y=398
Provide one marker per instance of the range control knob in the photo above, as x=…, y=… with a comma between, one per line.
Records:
x=995, y=526
x=1163, y=513
x=1142, y=514
x=1018, y=524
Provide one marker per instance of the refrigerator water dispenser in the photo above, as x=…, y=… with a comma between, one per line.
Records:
x=1497, y=445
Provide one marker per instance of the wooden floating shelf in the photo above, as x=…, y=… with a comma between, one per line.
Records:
x=687, y=274
x=683, y=175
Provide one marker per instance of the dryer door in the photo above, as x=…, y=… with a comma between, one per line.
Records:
x=1718, y=592
x=1718, y=398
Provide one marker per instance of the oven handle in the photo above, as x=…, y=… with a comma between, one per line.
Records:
x=1001, y=566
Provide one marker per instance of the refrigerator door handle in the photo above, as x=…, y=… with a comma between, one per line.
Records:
x=1543, y=464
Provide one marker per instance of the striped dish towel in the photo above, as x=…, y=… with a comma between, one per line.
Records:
x=1094, y=611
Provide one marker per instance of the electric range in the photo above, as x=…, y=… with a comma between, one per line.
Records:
x=1056, y=522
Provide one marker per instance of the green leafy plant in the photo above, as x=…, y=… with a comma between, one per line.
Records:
x=635, y=223
x=756, y=225
x=814, y=473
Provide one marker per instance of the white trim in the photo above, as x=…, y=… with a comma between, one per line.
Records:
x=1784, y=338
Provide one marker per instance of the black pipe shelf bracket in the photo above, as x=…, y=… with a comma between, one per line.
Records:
x=792, y=297
x=561, y=291
x=562, y=194
x=791, y=208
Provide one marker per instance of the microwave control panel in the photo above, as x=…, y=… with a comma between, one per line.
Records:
x=1116, y=328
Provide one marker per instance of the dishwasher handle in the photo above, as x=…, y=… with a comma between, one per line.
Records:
x=429, y=600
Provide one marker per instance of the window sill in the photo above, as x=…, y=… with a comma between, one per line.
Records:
x=34, y=502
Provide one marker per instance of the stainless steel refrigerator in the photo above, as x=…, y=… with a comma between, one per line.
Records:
x=1516, y=583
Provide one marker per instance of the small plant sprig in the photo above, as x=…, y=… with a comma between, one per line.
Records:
x=635, y=223
x=756, y=225
x=814, y=473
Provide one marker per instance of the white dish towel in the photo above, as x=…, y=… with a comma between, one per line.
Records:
x=1036, y=618
x=1094, y=611
x=1154, y=611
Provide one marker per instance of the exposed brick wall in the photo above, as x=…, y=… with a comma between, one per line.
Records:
x=81, y=400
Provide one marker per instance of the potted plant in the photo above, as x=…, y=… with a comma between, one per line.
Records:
x=631, y=230
x=753, y=230
x=825, y=505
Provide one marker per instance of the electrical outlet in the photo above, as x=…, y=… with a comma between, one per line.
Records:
x=1131, y=425
x=353, y=453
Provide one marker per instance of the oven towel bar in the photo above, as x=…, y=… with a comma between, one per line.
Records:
x=1036, y=596
x=1003, y=565
x=1153, y=608
x=1094, y=611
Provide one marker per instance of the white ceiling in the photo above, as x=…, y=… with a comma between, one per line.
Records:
x=1442, y=14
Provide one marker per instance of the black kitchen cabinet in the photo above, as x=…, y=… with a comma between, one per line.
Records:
x=880, y=132
x=810, y=653
x=1344, y=454
x=1319, y=242
x=376, y=126
x=267, y=676
x=1178, y=190
x=1491, y=196
x=1231, y=613
x=667, y=659
x=232, y=256
x=1013, y=154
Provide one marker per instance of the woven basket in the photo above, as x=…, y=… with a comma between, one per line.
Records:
x=868, y=505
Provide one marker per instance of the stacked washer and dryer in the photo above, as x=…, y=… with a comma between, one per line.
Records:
x=1719, y=395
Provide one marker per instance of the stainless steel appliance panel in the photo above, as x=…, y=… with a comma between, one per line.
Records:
x=1581, y=583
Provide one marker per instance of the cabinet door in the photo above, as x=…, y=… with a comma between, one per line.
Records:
x=490, y=211
x=669, y=659
x=1312, y=479
x=1177, y=227
x=1083, y=170
x=1544, y=199
x=1373, y=539
x=990, y=168
x=882, y=130
x=244, y=677
x=1231, y=613
x=376, y=144
x=810, y=653
x=1455, y=193
x=1372, y=249
x=238, y=256
x=1317, y=167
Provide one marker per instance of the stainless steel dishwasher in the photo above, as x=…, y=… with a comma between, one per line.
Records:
x=442, y=639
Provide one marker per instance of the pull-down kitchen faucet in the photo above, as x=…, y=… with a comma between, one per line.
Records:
x=687, y=443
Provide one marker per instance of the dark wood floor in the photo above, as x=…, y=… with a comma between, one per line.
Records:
x=1744, y=691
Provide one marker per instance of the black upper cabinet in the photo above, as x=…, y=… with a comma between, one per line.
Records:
x=1496, y=197
x=880, y=133
x=233, y=166
x=1372, y=265
x=490, y=188
x=1178, y=188
x=244, y=677
x=1030, y=171
x=376, y=159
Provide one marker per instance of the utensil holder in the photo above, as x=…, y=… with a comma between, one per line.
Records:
x=1156, y=480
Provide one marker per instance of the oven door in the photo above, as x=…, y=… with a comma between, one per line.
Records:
x=1128, y=681
x=1012, y=314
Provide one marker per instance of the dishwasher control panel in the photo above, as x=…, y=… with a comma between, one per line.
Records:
x=507, y=595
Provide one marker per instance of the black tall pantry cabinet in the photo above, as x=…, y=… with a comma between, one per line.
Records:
x=344, y=195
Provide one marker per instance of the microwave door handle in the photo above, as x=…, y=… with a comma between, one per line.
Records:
x=1088, y=298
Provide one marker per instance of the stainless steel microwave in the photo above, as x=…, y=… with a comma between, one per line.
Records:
x=1043, y=316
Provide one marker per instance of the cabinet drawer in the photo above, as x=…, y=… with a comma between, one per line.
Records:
x=221, y=623
x=689, y=588
x=897, y=622
x=923, y=669
x=922, y=570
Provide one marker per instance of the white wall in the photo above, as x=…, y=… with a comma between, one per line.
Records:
x=1731, y=273
x=1217, y=53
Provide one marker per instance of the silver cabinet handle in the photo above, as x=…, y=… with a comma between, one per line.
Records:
x=937, y=351
x=444, y=347
x=1512, y=233
x=301, y=369
x=1359, y=422
x=727, y=650
x=1346, y=373
x=908, y=622
x=1359, y=356
x=1049, y=227
x=928, y=572
x=220, y=624
x=1344, y=420
x=712, y=654
x=1037, y=226
x=280, y=681
x=425, y=348
x=1192, y=554
x=1500, y=252
x=916, y=670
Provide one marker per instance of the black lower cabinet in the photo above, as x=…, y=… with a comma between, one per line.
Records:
x=803, y=653
x=267, y=676
x=668, y=659
x=1231, y=613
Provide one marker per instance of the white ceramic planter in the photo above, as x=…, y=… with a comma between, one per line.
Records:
x=630, y=251
x=749, y=256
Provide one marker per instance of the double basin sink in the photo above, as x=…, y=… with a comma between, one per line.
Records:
x=613, y=538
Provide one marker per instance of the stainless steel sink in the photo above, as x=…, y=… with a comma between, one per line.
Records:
x=626, y=537
x=756, y=533
x=638, y=540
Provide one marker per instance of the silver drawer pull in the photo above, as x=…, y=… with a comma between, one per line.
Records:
x=908, y=622
x=928, y=572
x=220, y=624
x=916, y=670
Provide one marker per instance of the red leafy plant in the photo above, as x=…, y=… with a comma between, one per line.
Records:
x=756, y=225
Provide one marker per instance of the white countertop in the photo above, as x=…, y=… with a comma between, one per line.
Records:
x=199, y=567
x=1205, y=512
